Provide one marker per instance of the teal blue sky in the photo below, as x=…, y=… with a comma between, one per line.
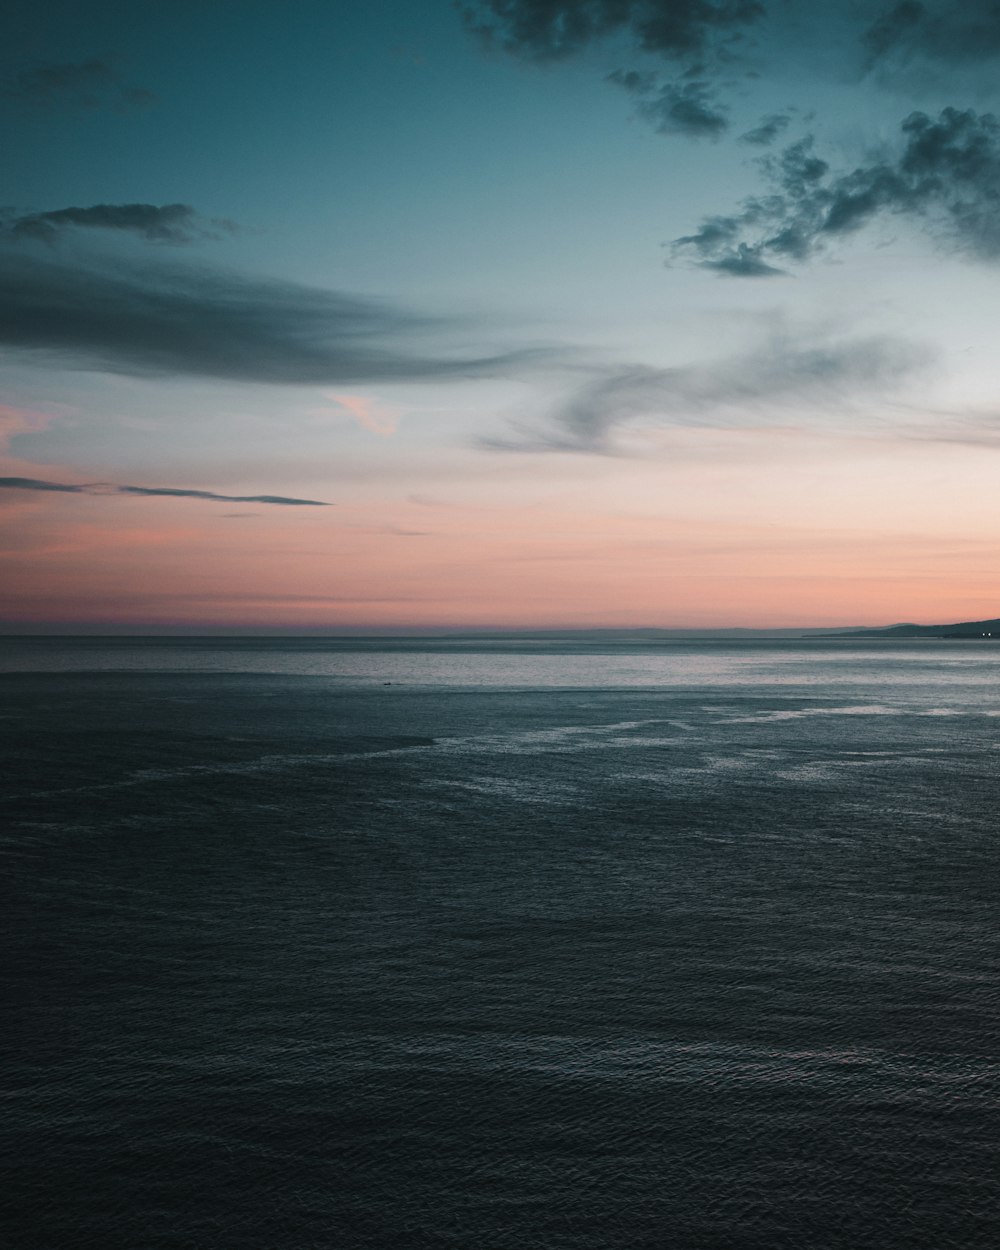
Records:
x=703, y=283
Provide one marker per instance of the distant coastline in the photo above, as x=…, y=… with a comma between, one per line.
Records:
x=976, y=630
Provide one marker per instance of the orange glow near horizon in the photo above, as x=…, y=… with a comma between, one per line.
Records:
x=731, y=530
x=176, y=563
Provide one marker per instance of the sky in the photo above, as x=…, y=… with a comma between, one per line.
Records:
x=507, y=314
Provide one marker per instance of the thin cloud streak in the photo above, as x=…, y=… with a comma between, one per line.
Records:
x=173, y=492
x=166, y=223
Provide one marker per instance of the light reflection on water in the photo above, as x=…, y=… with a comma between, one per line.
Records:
x=924, y=665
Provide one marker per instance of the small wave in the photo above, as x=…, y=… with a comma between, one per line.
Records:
x=262, y=764
x=782, y=714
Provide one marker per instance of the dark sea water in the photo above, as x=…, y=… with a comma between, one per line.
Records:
x=542, y=945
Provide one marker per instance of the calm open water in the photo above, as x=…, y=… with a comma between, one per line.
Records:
x=542, y=945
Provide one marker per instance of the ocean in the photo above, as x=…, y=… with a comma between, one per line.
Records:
x=502, y=944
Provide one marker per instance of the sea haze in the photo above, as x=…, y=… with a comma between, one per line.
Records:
x=510, y=945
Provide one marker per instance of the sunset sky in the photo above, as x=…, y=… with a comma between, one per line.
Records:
x=510, y=314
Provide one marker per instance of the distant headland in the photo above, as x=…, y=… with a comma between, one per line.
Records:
x=963, y=629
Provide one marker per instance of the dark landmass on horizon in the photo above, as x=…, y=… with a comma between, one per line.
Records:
x=963, y=629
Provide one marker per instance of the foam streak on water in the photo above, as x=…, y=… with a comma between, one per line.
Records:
x=552, y=947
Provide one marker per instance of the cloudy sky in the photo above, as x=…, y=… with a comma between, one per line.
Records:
x=507, y=313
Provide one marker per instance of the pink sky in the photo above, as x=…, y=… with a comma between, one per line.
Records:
x=748, y=535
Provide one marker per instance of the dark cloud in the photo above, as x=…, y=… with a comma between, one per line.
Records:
x=699, y=35
x=945, y=32
x=88, y=84
x=689, y=109
x=743, y=261
x=892, y=28
x=178, y=493
x=946, y=174
x=34, y=483
x=552, y=30
x=201, y=322
x=784, y=372
x=109, y=488
x=767, y=129
x=166, y=223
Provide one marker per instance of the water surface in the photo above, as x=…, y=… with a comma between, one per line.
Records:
x=541, y=944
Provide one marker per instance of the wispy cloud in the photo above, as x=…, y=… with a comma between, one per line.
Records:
x=89, y=84
x=945, y=174
x=166, y=223
x=369, y=413
x=784, y=372
x=15, y=421
x=767, y=129
x=552, y=30
x=969, y=427
x=743, y=261
x=689, y=109
x=944, y=32
x=698, y=37
x=109, y=488
x=689, y=32
x=208, y=323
